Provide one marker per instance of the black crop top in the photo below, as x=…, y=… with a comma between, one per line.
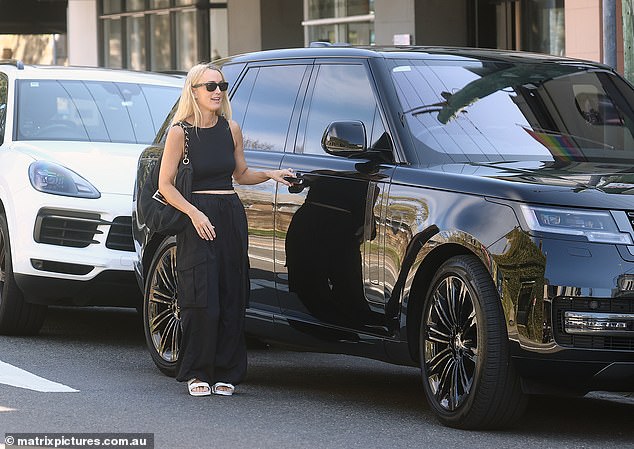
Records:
x=211, y=156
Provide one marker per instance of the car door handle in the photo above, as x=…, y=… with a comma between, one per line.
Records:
x=297, y=182
x=297, y=178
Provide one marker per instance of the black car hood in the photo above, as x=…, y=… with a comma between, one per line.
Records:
x=581, y=184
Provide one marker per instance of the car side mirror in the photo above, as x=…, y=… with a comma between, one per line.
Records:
x=345, y=139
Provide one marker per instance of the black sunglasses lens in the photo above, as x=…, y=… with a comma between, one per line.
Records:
x=212, y=85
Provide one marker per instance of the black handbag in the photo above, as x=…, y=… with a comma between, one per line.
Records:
x=160, y=216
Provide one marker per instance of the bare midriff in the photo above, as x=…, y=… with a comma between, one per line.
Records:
x=215, y=192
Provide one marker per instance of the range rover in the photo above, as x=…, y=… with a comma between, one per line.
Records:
x=467, y=211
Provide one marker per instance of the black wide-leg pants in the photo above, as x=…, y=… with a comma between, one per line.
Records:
x=213, y=288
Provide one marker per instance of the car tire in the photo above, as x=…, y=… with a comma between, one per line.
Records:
x=468, y=375
x=161, y=320
x=17, y=317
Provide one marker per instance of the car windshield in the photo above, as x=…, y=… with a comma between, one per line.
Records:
x=94, y=111
x=481, y=111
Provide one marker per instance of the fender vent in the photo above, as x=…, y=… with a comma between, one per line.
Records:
x=66, y=228
x=79, y=229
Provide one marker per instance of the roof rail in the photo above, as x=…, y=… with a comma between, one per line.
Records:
x=173, y=72
x=321, y=44
x=16, y=62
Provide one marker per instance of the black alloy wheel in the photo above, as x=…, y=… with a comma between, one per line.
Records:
x=451, y=344
x=161, y=317
x=17, y=317
x=468, y=377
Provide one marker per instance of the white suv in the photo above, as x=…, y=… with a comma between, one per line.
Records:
x=70, y=139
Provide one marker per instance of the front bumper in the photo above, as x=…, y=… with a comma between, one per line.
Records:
x=73, y=250
x=575, y=370
x=108, y=288
x=571, y=314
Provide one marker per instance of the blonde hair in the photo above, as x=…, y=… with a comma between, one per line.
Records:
x=187, y=106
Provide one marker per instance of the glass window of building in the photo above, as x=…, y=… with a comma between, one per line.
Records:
x=136, y=43
x=218, y=33
x=158, y=4
x=162, y=34
x=543, y=26
x=112, y=43
x=111, y=6
x=187, y=48
x=323, y=9
x=135, y=5
x=160, y=55
x=350, y=21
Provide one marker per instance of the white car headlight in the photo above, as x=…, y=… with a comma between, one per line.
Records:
x=52, y=178
x=597, y=226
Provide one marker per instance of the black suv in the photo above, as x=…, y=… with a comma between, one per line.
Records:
x=467, y=211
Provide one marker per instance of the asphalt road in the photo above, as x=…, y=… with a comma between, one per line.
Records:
x=290, y=399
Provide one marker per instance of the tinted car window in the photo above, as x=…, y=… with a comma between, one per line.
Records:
x=3, y=105
x=121, y=107
x=93, y=111
x=159, y=105
x=342, y=92
x=270, y=107
x=379, y=138
x=478, y=111
x=241, y=97
x=231, y=72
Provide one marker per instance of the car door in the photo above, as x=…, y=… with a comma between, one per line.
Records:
x=264, y=105
x=329, y=245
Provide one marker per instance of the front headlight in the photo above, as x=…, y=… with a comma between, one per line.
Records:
x=52, y=178
x=597, y=226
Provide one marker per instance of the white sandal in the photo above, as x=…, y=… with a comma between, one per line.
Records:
x=223, y=389
x=192, y=385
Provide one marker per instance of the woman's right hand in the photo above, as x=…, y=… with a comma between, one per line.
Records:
x=203, y=226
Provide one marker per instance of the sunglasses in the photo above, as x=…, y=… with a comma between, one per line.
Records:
x=212, y=85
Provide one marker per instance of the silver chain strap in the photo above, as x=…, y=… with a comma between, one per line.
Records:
x=186, y=150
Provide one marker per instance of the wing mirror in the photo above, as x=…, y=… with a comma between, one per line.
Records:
x=345, y=139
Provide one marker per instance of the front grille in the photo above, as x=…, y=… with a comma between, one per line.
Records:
x=66, y=228
x=630, y=216
x=620, y=305
x=120, y=235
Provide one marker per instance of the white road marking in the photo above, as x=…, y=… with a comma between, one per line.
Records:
x=16, y=377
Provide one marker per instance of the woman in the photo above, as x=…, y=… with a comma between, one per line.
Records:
x=211, y=258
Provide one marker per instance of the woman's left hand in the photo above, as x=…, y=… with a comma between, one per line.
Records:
x=279, y=175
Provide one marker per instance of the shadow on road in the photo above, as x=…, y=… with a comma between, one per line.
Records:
x=342, y=381
x=579, y=419
x=103, y=325
x=376, y=385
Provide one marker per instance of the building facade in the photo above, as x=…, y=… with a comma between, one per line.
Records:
x=175, y=34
